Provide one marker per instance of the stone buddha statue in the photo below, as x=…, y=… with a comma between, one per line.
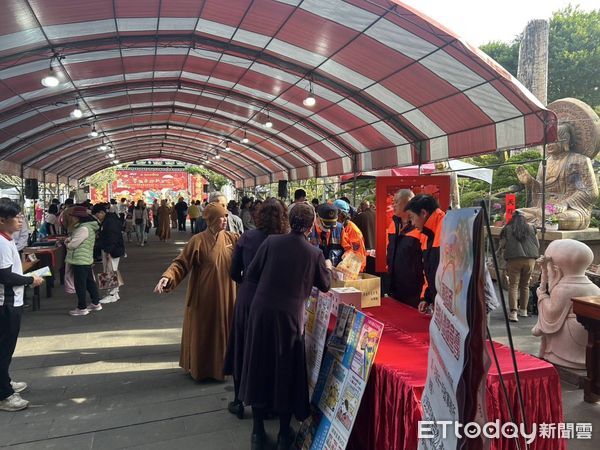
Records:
x=563, y=267
x=571, y=186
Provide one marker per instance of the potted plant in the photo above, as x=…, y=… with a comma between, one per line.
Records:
x=551, y=217
x=497, y=220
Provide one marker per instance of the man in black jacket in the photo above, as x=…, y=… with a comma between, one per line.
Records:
x=425, y=214
x=404, y=254
x=110, y=241
x=182, y=209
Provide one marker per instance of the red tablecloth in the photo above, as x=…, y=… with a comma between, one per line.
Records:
x=391, y=406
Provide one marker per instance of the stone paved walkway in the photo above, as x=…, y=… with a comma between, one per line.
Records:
x=111, y=379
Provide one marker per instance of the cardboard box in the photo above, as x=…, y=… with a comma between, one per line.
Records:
x=348, y=295
x=368, y=285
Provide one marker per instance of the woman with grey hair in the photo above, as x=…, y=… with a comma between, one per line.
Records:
x=273, y=376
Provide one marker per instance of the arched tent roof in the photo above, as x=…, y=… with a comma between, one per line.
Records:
x=179, y=78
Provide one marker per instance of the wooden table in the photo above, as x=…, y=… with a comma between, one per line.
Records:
x=53, y=257
x=587, y=310
x=30, y=266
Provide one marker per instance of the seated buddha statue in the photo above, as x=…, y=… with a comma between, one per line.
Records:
x=571, y=186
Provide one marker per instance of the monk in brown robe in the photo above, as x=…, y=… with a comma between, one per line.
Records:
x=210, y=295
x=164, y=221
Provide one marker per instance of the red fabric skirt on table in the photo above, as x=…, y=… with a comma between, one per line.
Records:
x=391, y=406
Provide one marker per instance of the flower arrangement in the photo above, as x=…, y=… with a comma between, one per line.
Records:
x=497, y=220
x=551, y=214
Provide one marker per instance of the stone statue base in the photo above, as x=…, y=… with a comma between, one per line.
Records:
x=590, y=237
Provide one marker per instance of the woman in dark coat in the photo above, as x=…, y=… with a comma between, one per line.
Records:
x=271, y=218
x=285, y=269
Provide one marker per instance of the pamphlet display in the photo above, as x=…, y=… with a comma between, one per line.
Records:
x=317, y=313
x=342, y=379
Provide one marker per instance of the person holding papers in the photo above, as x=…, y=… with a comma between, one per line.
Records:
x=12, y=286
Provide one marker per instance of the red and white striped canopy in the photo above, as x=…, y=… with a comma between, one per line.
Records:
x=181, y=78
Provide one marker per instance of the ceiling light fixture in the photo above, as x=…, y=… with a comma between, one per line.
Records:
x=93, y=133
x=50, y=79
x=245, y=139
x=111, y=155
x=77, y=112
x=103, y=148
x=227, y=146
x=268, y=123
x=116, y=161
x=310, y=99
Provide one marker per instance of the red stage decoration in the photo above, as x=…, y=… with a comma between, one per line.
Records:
x=386, y=187
x=148, y=185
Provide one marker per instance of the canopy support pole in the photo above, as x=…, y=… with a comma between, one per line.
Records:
x=45, y=193
x=543, y=205
x=355, y=169
x=22, y=196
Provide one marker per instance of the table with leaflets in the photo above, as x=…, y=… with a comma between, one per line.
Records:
x=390, y=409
x=52, y=257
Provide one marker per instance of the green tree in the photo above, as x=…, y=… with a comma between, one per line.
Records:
x=101, y=179
x=505, y=176
x=217, y=180
x=507, y=55
x=10, y=181
x=574, y=55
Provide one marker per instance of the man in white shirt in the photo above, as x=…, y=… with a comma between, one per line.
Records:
x=12, y=287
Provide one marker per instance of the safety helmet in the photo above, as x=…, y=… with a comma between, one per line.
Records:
x=342, y=206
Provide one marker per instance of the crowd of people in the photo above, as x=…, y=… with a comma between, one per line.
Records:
x=251, y=269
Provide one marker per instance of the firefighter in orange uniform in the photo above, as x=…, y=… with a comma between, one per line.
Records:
x=404, y=254
x=352, y=238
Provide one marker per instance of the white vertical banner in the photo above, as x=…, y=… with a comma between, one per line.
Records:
x=443, y=400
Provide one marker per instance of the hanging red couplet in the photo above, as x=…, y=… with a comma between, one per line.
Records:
x=511, y=205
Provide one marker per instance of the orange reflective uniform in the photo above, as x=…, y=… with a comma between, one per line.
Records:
x=353, y=241
x=430, y=244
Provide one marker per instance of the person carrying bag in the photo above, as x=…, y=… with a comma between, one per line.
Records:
x=110, y=241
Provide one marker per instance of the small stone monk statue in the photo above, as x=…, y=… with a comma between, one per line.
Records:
x=563, y=267
x=571, y=186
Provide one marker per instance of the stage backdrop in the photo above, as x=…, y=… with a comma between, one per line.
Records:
x=147, y=185
x=386, y=187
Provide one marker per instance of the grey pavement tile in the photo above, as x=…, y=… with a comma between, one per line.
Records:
x=218, y=440
x=117, y=417
x=79, y=442
x=139, y=435
x=32, y=431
